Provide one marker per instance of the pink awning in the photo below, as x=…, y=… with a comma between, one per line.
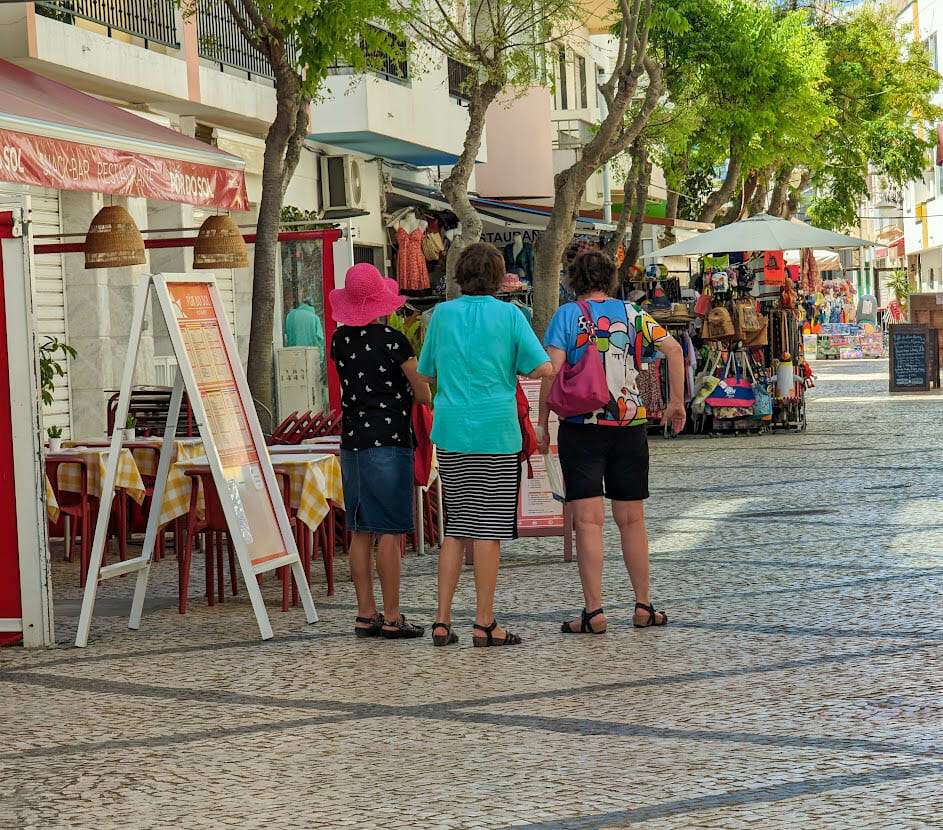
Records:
x=54, y=136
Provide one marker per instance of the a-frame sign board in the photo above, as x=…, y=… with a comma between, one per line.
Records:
x=210, y=371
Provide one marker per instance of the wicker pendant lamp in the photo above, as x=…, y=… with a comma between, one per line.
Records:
x=219, y=244
x=113, y=240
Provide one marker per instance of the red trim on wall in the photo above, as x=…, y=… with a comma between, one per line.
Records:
x=10, y=603
x=327, y=272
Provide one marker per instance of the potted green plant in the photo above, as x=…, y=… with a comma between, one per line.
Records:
x=51, y=352
x=129, y=424
x=55, y=438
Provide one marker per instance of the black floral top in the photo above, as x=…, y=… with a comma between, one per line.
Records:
x=376, y=397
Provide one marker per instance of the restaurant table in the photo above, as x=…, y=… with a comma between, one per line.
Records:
x=143, y=450
x=127, y=479
x=315, y=482
x=52, y=506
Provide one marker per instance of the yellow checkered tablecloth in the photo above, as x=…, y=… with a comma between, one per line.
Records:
x=147, y=459
x=315, y=480
x=128, y=478
x=52, y=506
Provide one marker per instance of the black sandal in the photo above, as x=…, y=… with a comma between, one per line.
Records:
x=486, y=641
x=585, y=627
x=402, y=630
x=373, y=629
x=443, y=639
x=652, y=618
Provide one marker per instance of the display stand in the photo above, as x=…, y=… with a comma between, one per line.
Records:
x=210, y=371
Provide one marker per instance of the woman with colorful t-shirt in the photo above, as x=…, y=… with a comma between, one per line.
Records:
x=605, y=453
x=379, y=383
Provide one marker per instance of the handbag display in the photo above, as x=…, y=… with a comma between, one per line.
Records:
x=703, y=305
x=734, y=390
x=749, y=320
x=582, y=387
x=718, y=325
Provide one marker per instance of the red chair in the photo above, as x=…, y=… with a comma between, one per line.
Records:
x=309, y=542
x=75, y=506
x=213, y=528
x=301, y=427
x=277, y=437
x=139, y=512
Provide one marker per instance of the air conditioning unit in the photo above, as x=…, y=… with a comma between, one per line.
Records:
x=341, y=185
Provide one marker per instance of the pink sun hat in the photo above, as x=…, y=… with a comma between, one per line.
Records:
x=366, y=295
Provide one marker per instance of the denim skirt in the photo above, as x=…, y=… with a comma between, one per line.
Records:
x=378, y=489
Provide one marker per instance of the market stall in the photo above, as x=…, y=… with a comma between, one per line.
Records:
x=751, y=368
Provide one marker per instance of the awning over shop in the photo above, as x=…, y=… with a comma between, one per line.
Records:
x=895, y=249
x=493, y=211
x=54, y=136
x=538, y=217
x=419, y=195
x=384, y=146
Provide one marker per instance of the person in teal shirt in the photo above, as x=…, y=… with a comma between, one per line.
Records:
x=474, y=351
x=303, y=326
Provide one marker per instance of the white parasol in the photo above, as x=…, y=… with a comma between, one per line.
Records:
x=760, y=233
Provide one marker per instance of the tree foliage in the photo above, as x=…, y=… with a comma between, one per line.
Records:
x=300, y=40
x=880, y=84
x=504, y=46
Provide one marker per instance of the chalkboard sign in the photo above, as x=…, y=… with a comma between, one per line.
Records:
x=911, y=361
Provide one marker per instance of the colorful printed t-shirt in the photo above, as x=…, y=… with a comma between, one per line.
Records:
x=625, y=337
x=376, y=398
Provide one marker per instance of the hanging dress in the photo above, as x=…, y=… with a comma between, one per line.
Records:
x=411, y=271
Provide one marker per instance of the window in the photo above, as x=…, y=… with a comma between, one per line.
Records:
x=931, y=48
x=561, y=80
x=938, y=180
x=581, y=66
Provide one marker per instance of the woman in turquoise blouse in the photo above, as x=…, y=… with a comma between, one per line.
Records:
x=474, y=351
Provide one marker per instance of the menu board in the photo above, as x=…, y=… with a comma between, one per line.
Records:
x=909, y=362
x=538, y=510
x=227, y=422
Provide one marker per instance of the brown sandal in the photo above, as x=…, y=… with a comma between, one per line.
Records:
x=443, y=639
x=486, y=641
x=652, y=618
x=372, y=629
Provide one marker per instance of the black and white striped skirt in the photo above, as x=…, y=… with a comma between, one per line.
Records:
x=480, y=494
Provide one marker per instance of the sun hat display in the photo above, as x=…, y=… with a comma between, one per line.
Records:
x=366, y=295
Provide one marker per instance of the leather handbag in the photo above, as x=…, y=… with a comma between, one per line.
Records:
x=760, y=337
x=582, y=387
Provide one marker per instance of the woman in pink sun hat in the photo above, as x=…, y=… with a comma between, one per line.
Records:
x=379, y=384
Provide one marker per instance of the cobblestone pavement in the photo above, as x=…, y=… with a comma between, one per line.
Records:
x=799, y=683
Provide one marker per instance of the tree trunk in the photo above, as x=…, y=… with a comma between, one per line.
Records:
x=628, y=189
x=795, y=196
x=777, y=199
x=750, y=186
x=719, y=197
x=638, y=212
x=612, y=138
x=673, y=180
x=282, y=151
x=455, y=185
x=758, y=201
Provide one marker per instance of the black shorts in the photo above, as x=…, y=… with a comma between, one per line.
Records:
x=591, y=454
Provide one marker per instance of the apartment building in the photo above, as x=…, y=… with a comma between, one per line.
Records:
x=922, y=208
x=197, y=76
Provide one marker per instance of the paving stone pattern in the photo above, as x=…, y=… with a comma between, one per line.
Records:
x=799, y=683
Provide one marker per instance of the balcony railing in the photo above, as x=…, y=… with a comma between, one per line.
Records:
x=459, y=75
x=153, y=21
x=222, y=42
x=395, y=66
